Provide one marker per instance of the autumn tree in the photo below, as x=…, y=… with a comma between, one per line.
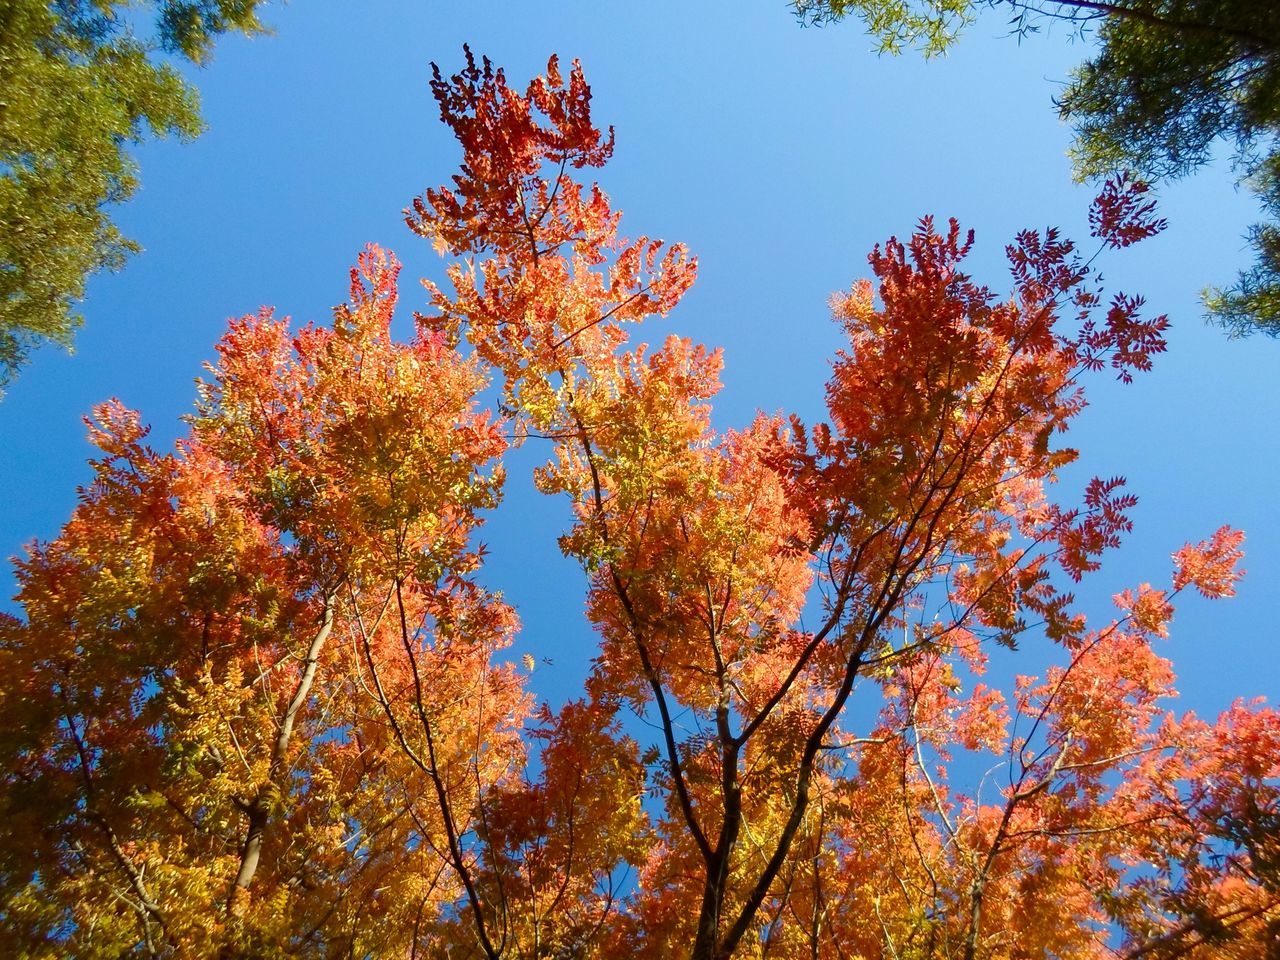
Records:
x=257, y=706
x=218, y=740
x=1170, y=81
x=79, y=85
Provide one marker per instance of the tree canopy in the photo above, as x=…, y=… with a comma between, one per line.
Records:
x=1171, y=79
x=79, y=87
x=257, y=703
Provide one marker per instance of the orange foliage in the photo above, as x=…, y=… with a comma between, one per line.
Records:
x=256, y=706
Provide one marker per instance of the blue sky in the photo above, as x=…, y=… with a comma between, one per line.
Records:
x=780, y=155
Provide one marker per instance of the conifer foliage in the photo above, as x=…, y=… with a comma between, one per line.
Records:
x=258, y=703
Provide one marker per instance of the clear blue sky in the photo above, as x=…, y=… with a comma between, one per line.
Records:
x=780, y=155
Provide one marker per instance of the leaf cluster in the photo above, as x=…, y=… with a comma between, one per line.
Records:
x=79, y=86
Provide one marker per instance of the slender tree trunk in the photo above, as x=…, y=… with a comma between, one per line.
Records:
x=258, y=811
